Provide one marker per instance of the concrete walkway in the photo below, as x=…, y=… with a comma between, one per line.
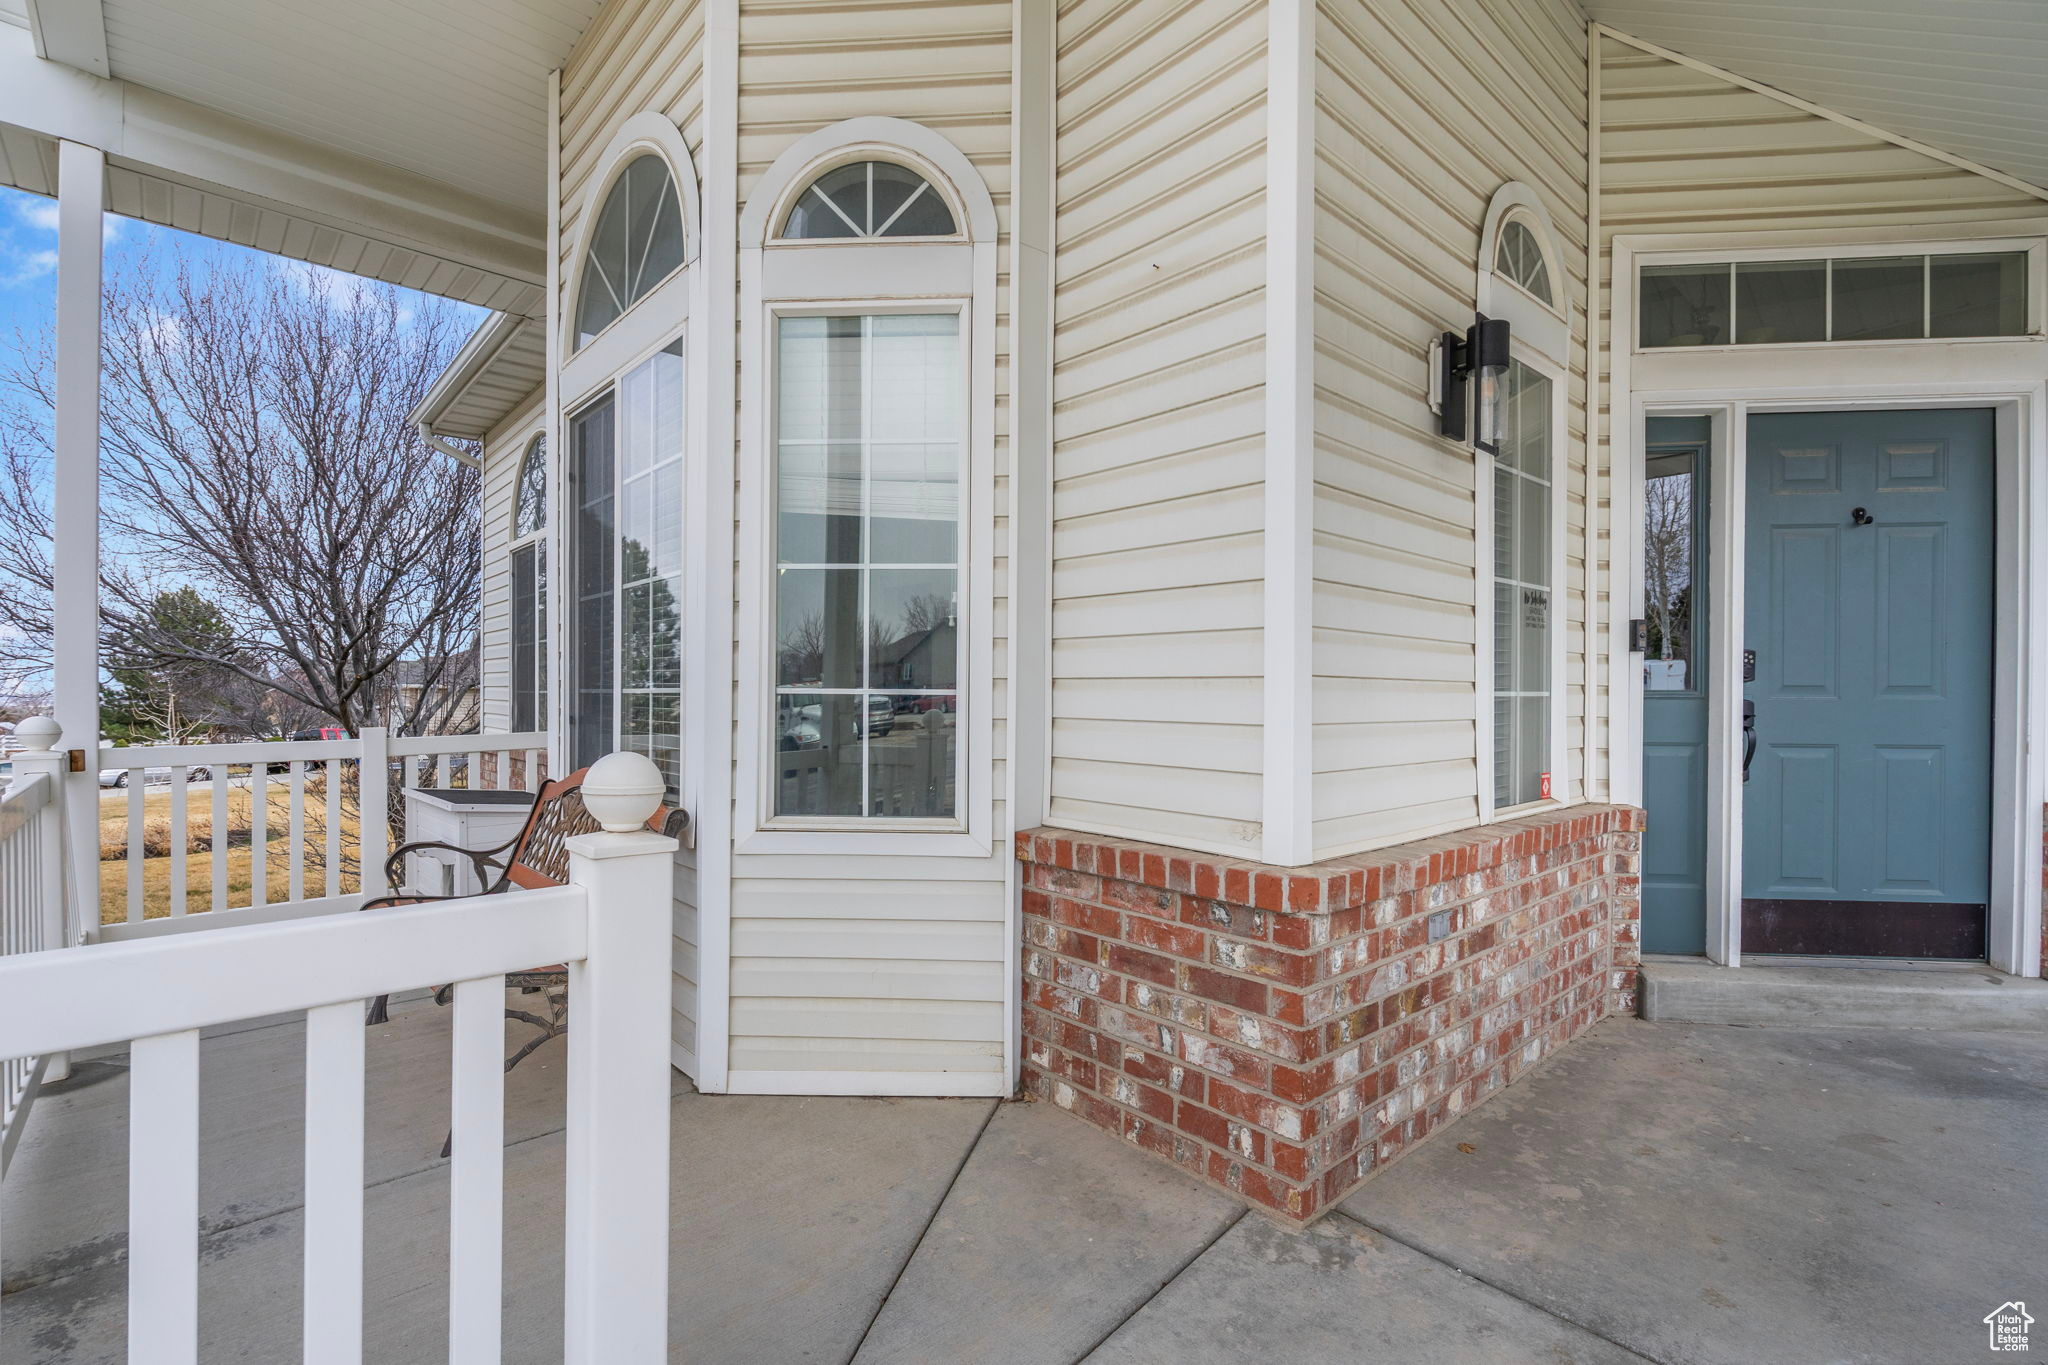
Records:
x=1658, y=1192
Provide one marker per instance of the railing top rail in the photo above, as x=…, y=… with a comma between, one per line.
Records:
x=27, y=792
x=485, y=743
x=114, y=992
x=245, y=751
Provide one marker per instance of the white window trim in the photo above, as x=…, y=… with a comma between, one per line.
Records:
x=1545, y=329
x=1563, y=791
x=1843, y=246
x=778, y=278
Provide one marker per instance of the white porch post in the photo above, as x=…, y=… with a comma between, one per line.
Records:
x=75, y=654
x=619, y=1075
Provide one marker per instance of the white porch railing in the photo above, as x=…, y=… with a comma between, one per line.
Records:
x=307, y=813
x=610, y=924
x=31, y=900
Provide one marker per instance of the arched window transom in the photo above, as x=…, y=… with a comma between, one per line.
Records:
x=1519, y=258
x=530, y=509
x=868, y=200
x=637, y=244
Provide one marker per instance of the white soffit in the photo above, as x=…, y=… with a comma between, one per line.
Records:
x=1969, y=77
x=455, y=90
x=498, y=369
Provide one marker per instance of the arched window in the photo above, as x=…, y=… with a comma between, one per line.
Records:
x=1519, y=258
x=530, y=510
x=867, y=200
x=866, y=692
x=637, y=244
x=1522, y=530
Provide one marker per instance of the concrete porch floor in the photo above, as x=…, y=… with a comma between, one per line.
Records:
x=1658, y=1192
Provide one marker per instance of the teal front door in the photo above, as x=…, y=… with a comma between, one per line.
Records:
x=1868, y=593
x=1675, y=685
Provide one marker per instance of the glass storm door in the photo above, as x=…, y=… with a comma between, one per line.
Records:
x=1675, y=685
x=1869, y=605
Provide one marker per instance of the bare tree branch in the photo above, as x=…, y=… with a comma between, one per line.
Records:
x=255, y=447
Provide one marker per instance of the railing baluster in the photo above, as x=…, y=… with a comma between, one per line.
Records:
x=298, y=830
x=259, y=832
x=163, y=1199
x=334, y=1184
x=373, y=796
x=476, y=1182
x=137, y=779
x=332, y=814
x=181, y=796
x=220, y=834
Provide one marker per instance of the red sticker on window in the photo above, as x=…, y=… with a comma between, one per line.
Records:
x=1544, y=790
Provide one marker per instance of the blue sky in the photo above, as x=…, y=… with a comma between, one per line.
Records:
x=28, y=258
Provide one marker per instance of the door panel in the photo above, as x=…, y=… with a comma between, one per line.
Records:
x=1674, y=683
x=1866, y=820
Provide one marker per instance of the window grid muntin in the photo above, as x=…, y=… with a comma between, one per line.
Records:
x=608, y=608
x=1510, y=480
x=957, y=566
x=650, y=692
x=2025, y=258
x=1518, y=258
x=867, y=230
x=633, y=283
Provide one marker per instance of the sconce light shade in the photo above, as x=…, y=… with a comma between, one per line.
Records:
x=1456, y=361
x=1488, y=344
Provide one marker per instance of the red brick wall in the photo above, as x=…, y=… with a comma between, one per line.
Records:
x=1285, y=1032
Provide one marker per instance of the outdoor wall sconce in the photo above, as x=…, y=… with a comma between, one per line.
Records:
x=1453, y=361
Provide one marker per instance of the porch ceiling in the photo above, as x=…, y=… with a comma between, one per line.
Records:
x=1965, y=76
x=403, y=142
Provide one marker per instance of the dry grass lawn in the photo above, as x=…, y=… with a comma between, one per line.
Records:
x=200, y=851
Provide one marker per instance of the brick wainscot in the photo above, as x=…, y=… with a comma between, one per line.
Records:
x=1285, y=1032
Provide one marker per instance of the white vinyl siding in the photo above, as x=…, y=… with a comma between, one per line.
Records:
x=638, y=55
x=1685, y=150
x=504, y=452
x=1424, y=110
x=861, y=962
x=1158, y=422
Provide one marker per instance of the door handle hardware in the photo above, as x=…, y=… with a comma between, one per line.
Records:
x=1749, y=665
x=1861, y=516
x=1748, y=736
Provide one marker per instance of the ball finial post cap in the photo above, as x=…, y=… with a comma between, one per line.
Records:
x=622, y=790
x=37, y=734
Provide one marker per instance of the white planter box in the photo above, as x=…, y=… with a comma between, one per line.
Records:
x=467, y=819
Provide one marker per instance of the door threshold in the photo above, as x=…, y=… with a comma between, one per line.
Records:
x=1897, y=964
x=1842, y=993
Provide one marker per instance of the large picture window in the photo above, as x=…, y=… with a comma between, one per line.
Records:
x=868, y=551
x=1523, y=593
x=627, y=551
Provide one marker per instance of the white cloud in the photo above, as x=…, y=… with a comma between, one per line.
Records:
x=19, y=266
x=332, y=287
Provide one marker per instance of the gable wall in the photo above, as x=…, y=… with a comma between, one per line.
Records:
x=1423, y=110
